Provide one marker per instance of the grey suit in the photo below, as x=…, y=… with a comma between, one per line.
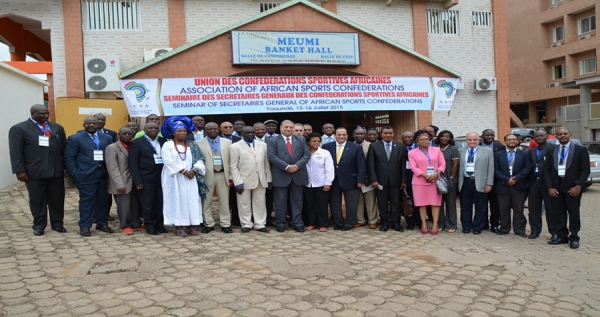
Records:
x=472, y=188
x=286, y=185
x=119, y=176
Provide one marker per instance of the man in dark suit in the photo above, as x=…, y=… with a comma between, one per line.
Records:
x=288, y=155
x=84, y=160
x=145, y=164
x=198, y=133
x=350, y=177
x=488, y=136
x=565, y=174
x=227, y=131
x=387, y=165
x=538, y=193
x=36, y=155
x=409, y=144
x=101, y=122
x=511, y=185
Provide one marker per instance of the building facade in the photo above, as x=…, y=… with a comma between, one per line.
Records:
x=553, y=53
x=434, y=38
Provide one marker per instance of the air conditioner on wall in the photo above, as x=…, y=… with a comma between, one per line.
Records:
x=553, y=85
x=585, y=37
x=485, y=83
x=557, y=44
x=101, y=74
x=155, y=52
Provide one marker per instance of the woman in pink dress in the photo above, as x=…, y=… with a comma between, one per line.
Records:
x=427, y=163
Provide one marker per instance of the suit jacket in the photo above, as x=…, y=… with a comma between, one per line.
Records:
x=484, y=168
x=522, y=170
x=351, y=170
x=324, y=139
x=280, y=158
x=250, y=168
x=37, y=161
x=387, y=172
x=234, y=138
x=112, y=134
x=497, y=146
x=116, y=157
x=209, y=177
x=79, y=156
x=365, y=146
x=539, y=162
x=141, y=162
x=577, y=168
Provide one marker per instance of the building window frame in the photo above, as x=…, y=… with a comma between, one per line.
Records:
x=265, y=6
x=558, y=33
x=481, y=18
x=111, y=15
x=443, y=22
x=559, y=71
x=555, y=2
x=587, y=24
x=587, y=66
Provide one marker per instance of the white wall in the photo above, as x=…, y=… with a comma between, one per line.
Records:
x=18, y=95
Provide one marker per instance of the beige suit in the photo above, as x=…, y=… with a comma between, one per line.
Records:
x=367, y=199
x=250, y=167
x=216, y=182
x=119, y=176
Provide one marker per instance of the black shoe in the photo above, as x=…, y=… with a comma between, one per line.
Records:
x=398, y=228
x=109, y=218
x=476, y=231
x=574, y=244
x=280, y=229
x=522, y=234
x=264, y=230
x=533, y=235
x=486, y=227
x=59, y=229
x=301, y=229
x=554, y=237
x=207, y=229
x=269, y=225
x=85, y=232
x=227, y=230
x=106, y=229
x=466, y=231
x=244, y=230
x=500, y=233
x=162, y=229
x=410, y=227
x=558, y=241
x=346, y=228
x=338, y=228
x=38, y=232
x=384, y=226
x=151, y=231
x=494, y=229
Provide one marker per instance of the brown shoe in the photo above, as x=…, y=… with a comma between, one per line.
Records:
x=358, y=225
x=372, y=226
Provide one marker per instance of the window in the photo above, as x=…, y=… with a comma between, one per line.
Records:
x=554, y=2
x=558, y=33
x=264, y=6
x=558, y=72
x=443, y=22
x=111, y=15
x=572, y=113
x=586, y=24
x=587, y=65
x=481, y=18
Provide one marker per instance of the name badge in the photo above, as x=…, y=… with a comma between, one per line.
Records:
x=158, y=159
x=471, y=167
x=510, y=170
x=217, y=160
x=407, y=165
x=44, y=140
x=98, y=155
x=430, y=170
x=561, y=170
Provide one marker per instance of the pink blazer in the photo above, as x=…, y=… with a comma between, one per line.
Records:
x=418, y=163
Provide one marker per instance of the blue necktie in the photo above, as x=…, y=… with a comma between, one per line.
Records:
x=95, y=139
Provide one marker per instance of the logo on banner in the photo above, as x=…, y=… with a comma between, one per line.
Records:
x=447, y=86
x=138, y=89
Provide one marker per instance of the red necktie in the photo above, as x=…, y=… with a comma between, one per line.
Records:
x=46, y=131
x=289, y=145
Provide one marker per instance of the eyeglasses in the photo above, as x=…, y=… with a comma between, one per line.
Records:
x=226, y=127
x=420, y=140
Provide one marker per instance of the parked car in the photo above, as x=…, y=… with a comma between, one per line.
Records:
x=594, y=149
x=525, y=135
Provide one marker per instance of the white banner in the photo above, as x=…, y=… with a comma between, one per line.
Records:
x=224, y=95
x=140, y=96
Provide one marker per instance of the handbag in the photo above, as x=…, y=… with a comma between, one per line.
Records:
x=443, y=185
x=407, y=204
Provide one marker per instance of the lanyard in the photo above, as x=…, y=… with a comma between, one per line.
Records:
x=43, y=129
x=472, y=157
x=510, y=156
x=151, y=142
x=215, y=149
x=563, y=157
x=96, y=140
x=426, y=154
x=538, y=152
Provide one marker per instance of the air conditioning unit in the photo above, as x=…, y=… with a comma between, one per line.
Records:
x=557, y=44
x=553, y=85
x=585, y=37
x=485, y=84
x=155, y=52
x=102, y=74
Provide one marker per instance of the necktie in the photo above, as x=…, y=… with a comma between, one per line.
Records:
x=562, y=155
x=96, y=141
x=329, y=139
x=388, y=150
x=511, y=155
x=338, y=153
x=470, y=160
x=289, y=145
x=46, y=130
x=216, y=167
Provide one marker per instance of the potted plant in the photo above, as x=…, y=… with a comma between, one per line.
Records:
x=553, y=119
x=543, y=119
x=525, y=121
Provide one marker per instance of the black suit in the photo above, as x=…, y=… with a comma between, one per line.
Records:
x=566, y=206
x=350, y=171
x=512, y=196
x=493, y=209
x=145, y=171
x=390, y=174
x=44, y=165
x=538, y=192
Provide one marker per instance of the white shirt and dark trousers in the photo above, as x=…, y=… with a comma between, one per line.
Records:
x=320, y=173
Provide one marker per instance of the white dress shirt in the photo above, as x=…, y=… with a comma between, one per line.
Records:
x=320, y=169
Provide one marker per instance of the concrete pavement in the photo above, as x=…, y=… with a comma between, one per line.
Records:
x=361, y=272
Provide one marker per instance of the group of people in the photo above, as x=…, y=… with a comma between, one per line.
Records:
x=166, y=175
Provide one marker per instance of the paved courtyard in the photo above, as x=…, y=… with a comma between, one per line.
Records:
x=361, y=272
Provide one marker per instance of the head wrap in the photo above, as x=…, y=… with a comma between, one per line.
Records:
x=173, y=124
